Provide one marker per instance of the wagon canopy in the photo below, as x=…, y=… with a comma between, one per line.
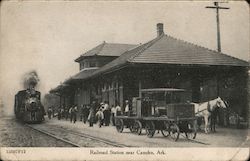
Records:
x=163, y=90
x=164, y=96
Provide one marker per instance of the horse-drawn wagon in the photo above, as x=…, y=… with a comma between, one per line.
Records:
x=165, y=109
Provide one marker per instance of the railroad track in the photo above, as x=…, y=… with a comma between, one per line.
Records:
x=53, y=136
x=121, y=145
x=80, y=134
x=108, y=142
x=196, y=141
x=92, y=137
x=199, y=142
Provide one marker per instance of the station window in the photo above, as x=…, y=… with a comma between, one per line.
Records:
x=86, y=64
x=81, y=65
x=92, y=64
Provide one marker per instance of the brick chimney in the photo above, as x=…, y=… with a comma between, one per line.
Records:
x=160, y=30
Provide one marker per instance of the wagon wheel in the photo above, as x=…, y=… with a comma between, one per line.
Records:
x=150, y=129
x=165, y=130
x=137, y=127
x=192, y=130
x=119, y=125
x=174, y=131
x=131, y=128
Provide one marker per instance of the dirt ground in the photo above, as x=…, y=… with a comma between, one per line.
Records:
x=14, y=134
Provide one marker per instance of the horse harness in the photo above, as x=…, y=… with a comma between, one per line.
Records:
x=208, y=109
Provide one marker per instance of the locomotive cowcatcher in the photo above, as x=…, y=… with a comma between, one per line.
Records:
x=28, y=107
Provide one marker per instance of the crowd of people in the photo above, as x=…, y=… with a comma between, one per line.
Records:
x=102, y=114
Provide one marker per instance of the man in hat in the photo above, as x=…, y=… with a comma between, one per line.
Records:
x=118, y=110
x=85, y=113
x=59, y=113
x=106, y=113
x=75, y=110
x=126, y=108
x=66, y=112
x=49, y=112
x=102, y=105
x=71, y=113
x=81, y=112
x=91, y=117
x=100, y=117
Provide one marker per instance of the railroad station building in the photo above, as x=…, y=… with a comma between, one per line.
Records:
x=115, y=72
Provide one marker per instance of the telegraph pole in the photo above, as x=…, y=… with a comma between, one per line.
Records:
x=217, y=7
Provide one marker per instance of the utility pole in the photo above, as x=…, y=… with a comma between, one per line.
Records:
x=217, y=7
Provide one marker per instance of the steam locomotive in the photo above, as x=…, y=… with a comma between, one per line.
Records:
x=28, y=107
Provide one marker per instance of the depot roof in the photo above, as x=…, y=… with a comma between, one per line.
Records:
x=164, y=49
x=59, y=88
x=168, y=50
x=85, y=73
x=107, y=49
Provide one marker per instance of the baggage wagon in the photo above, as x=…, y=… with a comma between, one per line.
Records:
x=163, y=109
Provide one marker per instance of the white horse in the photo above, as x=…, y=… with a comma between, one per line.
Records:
x=205, y=110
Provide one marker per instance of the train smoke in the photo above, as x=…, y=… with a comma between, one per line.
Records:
x=30, y=79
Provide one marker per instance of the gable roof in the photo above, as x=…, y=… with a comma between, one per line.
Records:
x=125, y=57
x=168, y=50
x=107, y=49
x=161, y=50
x=85, y=73
x=59, y=88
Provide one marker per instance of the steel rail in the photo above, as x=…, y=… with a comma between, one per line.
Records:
x=53, y=136
x=199, y=142
x=118, y=144
x=91, y=137
x=94, y=138
x=195, y=141
x=82, y=135
x=100, y=140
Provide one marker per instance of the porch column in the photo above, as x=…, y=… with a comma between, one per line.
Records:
x=60, y=100
x=248, y=98
x=139, y=89
x=121, y=94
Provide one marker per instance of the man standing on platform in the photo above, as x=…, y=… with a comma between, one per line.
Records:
x=118, y=110
x=85, y=113
x=62, y=113
x=81, y=113
x=100, y=117
x=106, y=113
x=113, y=114
x=66, y=113
x=49, y=112
x=59, y=113
x=71, y=113
x=127, y=108
x=74, y=112
x=91, y=116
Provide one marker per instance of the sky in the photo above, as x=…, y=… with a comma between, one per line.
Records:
x=47, y=36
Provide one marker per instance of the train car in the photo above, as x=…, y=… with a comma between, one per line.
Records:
x=28, y=107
